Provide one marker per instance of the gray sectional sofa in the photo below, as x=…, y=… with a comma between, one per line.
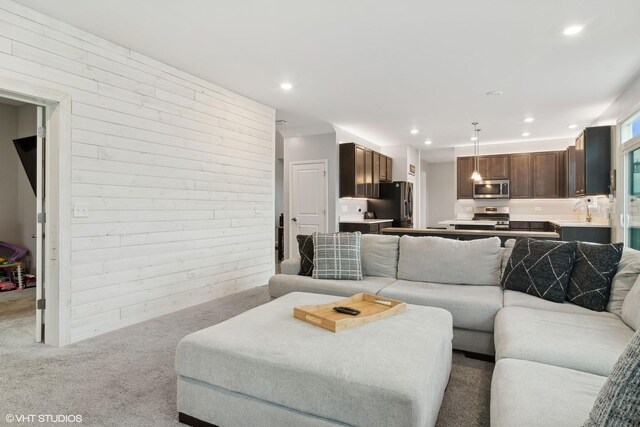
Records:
x=551, y=359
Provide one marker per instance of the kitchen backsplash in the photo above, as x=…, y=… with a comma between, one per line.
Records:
x=530, y=210
x=350, y=209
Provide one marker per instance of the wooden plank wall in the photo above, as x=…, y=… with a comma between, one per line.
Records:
x=177, y=173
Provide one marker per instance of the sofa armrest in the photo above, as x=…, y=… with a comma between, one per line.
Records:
x=290, y=266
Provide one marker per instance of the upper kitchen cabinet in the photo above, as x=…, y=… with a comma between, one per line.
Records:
x=361, y=171
x=548, y=174
x=593, y=161
x=389, y=170
x=521, y=176
x=465, y=183
x=494, y=167
x=352, y=171
x=383, y=168
x=376, y=175
x=570, y=171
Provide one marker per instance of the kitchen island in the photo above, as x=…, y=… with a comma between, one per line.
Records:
x=504, y=235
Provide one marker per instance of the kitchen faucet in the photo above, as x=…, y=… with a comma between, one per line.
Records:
x=586, y=205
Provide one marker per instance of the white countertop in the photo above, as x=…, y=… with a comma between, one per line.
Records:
x=364, y=221
x=570, y=223
x=599, y=223
x=467, y=222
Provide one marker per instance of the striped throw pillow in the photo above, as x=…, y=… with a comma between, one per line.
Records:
x=337, y=256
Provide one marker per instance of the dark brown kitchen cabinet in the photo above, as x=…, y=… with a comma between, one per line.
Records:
x=494, y=167
x=570, y=172
x=521, y=185
x=548, y=174
x=352, y=171
x=368, y=173
x=593, y=161
x=362, y=170
x=389, y=173
x=464, y=171
x=365, y=227
x=383, y=168
x=376, y=175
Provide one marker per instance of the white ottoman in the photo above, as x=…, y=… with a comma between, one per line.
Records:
x=266, y=368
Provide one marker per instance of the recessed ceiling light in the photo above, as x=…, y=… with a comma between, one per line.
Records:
x=286, y=86
x=525, y=134
x=572, y=30
x=414, y=131
x=474, y=138
x=495, y=93
x=528, y=120
x=428, y=142
x=573, y=126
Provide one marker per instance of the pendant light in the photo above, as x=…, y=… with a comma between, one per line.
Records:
x=475, y=176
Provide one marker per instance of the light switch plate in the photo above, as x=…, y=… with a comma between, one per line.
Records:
x=80, y=210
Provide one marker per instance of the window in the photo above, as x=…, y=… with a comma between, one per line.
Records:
x=630, y=128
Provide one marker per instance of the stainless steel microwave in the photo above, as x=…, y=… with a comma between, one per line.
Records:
x=491, y=189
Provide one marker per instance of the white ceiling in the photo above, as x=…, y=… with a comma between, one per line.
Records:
x=377, y=68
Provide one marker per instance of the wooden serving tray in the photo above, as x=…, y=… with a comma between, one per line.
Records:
x=372, y=308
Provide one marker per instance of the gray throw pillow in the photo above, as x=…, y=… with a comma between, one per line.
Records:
x=305, y=247
x=618, y=403
x=540, y=268
x=337, y=256
x=590, y=281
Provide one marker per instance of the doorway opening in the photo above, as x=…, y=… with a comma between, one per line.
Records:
x=21, y=216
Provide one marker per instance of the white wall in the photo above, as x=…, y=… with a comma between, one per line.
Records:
x=9, y=163
x=625, y=104
x=312, y=147
x=442, y=192
x=177, y=174
x=342, y=136
x=27, y=205
x=279, y=177
x=518, y=147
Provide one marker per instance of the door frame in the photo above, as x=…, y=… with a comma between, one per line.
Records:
x=290, y=237
x=56, y=249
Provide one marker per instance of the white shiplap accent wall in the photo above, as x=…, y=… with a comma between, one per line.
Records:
x=177, y=173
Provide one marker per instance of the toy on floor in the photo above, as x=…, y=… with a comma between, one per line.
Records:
x=6, y=284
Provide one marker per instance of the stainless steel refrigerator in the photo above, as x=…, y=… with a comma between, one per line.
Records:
x=395, y=202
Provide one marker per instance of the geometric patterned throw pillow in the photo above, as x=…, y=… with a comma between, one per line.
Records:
x=305, y=247
x=540, y=268
x=618, y=403
x=337, y=256
x=590, y=281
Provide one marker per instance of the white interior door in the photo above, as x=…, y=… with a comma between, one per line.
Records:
x=307, y=201
x=40, y=197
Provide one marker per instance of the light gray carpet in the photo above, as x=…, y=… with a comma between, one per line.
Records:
x=127, y=378
x=17, y=319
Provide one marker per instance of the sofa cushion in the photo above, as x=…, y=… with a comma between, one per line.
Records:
x=506, y=254
x=631, y=306
x=590, y=281
x=439, y=260
x=576, y=341
x=518, y=299
x=379, y=254
x=530, y=394
x=472, y=307
x=282, y=284
x=540, y=268
x=628, y=271
x=305, y=247
x=618, y=403
x=337, y=256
